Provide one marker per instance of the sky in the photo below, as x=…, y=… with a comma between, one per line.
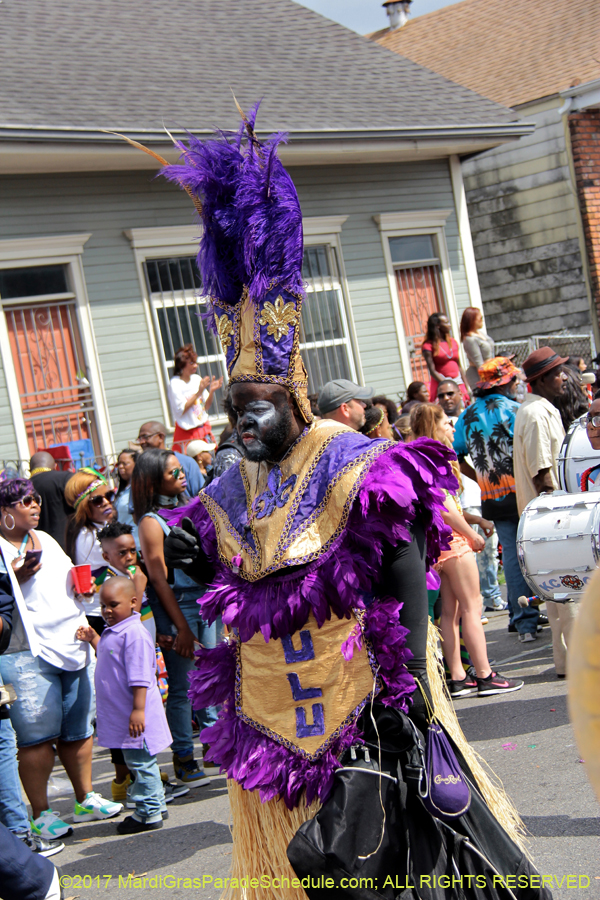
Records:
x=365, y=16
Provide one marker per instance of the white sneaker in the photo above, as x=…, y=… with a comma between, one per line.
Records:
x=50, y=826
x=527, y=637
x=54, y=892
x=95, y=807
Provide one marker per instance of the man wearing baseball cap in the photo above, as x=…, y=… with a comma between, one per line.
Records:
x=539, y=431
x=344, y=402
x=484, y=432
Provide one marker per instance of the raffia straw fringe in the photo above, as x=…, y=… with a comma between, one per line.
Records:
x=261, y=834
x=490, y=785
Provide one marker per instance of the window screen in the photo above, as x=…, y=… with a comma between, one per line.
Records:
x=175, y=292
x=33, y=281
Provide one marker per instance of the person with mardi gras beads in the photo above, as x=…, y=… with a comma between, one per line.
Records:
x=90, y=495
x=315, y=544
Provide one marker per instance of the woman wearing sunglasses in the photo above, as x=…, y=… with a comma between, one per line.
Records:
x=158, y=483
x=92, y=499
x=48, y=667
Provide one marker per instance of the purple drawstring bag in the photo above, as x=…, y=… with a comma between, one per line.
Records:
x=448, y=793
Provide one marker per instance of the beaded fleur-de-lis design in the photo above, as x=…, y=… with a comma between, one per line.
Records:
x=276, y=494
x=278, y=317
x=225, y=331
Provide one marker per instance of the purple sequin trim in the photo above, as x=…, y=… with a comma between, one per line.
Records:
x=303, y=728
x=306, y=651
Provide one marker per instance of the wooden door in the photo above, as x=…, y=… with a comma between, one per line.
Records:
x=420, y=294
x=49, y=362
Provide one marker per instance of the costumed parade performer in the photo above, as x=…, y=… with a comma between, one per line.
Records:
x=315, y=547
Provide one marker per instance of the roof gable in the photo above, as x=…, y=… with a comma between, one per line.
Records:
x=510, y=52
x=125, y=64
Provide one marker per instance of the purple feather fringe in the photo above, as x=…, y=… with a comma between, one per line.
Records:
x=403, y=485
x=257, y=762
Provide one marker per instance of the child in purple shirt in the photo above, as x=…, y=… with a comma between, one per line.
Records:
x=130, y=712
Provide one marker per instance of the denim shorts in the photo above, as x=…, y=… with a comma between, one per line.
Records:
x=51, y=703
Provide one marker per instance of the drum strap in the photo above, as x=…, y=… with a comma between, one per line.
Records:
x=585, y=477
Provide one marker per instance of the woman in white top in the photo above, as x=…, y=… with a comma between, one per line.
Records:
x=190, y=398
x=47, y=666
x=479, y=347
x=92, y=499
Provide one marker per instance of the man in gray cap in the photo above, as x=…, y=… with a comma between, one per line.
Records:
x=344, y=402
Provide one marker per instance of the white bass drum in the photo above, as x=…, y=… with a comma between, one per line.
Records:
x=558, y=543
x=576, y=455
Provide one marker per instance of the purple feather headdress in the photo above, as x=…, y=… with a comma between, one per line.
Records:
x=250, y=256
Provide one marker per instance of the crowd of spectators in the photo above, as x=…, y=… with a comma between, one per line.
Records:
x=58, y=527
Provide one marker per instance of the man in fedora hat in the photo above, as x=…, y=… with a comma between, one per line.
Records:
x=539, y=431
x=484, y=433
x=539, y=434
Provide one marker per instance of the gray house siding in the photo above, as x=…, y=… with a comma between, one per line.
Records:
x=106, y=204
x=385, y=188
x=525, y=228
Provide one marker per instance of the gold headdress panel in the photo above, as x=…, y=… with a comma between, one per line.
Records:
x=261, y=342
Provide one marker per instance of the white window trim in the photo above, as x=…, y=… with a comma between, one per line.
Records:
x=182, y=240
x=328, y=230
x=65, y=249
x=154, y=243
x=405, y=224
x=464, y=233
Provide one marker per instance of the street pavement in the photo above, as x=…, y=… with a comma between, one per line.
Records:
x=525, y=737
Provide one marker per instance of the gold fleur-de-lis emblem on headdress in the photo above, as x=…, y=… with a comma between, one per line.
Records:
x=278, y=317
x=225, y=331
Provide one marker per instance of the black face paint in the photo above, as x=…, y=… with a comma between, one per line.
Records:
x=263, y=428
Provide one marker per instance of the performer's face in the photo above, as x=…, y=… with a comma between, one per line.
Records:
x=266, y=423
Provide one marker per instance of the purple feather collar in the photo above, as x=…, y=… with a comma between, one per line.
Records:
x=404, y=484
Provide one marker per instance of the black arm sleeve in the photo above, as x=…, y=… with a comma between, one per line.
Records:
x=404, y=579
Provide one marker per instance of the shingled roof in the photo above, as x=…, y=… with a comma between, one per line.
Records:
x=136, y=64
x=511, y=52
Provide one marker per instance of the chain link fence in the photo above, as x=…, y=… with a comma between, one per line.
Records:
x=563, y=343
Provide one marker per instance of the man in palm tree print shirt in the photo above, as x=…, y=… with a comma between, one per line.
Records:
x=484, y=431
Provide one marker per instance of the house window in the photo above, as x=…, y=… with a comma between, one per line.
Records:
x=178, y=308
x=178, y=311
x=49, y=360
x=418, y=277
x=324, y=336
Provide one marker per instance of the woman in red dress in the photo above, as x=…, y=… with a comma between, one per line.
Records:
x=440, y=351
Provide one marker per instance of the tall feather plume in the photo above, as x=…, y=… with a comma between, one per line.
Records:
x=250, y=210
x=158, y=158
x=270, y=209
x=249, y=206
x=210, y=169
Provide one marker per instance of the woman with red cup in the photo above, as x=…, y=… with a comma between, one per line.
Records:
x=91, y=497
x=49, y=668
